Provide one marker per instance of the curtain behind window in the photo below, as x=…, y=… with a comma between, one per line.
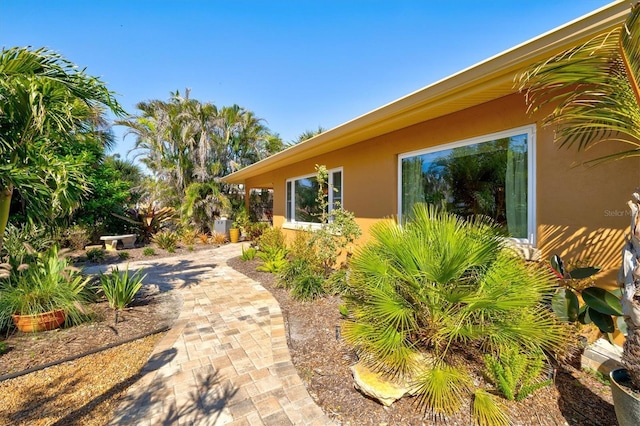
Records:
x=516, y=189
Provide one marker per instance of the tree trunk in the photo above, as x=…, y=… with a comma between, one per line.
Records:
x=629, y=280
x=5, y=206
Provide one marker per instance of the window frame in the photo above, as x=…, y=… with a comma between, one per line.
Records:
x=291, y=222
x=530, y=131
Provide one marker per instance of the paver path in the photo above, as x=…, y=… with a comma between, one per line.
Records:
x=226, y=359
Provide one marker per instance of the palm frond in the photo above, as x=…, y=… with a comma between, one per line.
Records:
x=487, y=410
x=442, y=388
x=595, y=90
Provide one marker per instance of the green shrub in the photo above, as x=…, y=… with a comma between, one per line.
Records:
x=190, y=247
x=302, y=248
x=272, y=240
x=95, y=255
x=435, y=286
x=166, y=240
x=124, y=255
x=188, y=236
x=308, y=286
x=254, y=230
x=120, y=287
x=48, y=283
x=272, y=266
x=149, y=251
x=273, y=260
x=20, y=245
x=241, y=220
x=338, y=226
x=304, y=279
x=293, y=269
x=337, y=282
x=218, y=238
x=515, y=374
x=76, y=237
x=272, y=250
x=248, y=254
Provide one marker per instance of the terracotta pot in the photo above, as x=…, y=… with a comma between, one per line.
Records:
x=39, y=322
x=234, y=235
x=626, y=404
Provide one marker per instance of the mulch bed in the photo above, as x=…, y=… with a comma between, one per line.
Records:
x=323, y=362
x=87, y=390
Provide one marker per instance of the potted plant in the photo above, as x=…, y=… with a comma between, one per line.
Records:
x=594, y=90
x=234, y=233
x=43, y=294
x=239, y=226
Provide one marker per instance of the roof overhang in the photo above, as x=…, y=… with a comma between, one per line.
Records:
x=480, y=83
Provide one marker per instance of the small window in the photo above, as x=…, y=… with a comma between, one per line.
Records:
x=302, y=193
x=491, y=176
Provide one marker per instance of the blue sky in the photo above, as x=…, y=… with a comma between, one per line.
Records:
x=296, y=64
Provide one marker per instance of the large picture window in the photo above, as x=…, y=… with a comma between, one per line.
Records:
x=491, y=175
x=302, y=193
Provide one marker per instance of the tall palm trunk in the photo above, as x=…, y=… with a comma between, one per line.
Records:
x=5, y=205
x=629, y=279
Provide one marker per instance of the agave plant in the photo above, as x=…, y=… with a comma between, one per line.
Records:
x=435, y=286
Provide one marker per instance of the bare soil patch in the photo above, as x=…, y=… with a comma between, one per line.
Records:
x=323, y=362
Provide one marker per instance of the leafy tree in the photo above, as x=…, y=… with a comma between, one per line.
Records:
x=46, y=103
x=114, y=186
x=595, y=87
x=440, y=285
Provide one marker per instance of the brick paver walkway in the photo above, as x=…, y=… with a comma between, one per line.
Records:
x=226, y=360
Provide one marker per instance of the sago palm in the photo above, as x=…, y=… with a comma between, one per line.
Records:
x=419, y=292
x=595, y=88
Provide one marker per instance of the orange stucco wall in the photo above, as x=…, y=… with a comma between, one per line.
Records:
x=581, y=212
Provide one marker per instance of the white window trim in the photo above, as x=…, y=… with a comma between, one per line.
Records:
x=530, y=130
x=293, y=223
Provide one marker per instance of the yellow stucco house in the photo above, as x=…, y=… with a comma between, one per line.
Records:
x=470, y=141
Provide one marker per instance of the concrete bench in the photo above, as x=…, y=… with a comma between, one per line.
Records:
x=111, y=241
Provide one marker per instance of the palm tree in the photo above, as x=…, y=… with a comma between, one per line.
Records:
x=596, y=90
x=189, y=145
x=45, y=103
x=308, y=134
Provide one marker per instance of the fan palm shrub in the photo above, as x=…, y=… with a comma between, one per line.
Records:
x=435, y=286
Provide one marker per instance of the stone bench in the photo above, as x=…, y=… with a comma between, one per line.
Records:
x=111, y=241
